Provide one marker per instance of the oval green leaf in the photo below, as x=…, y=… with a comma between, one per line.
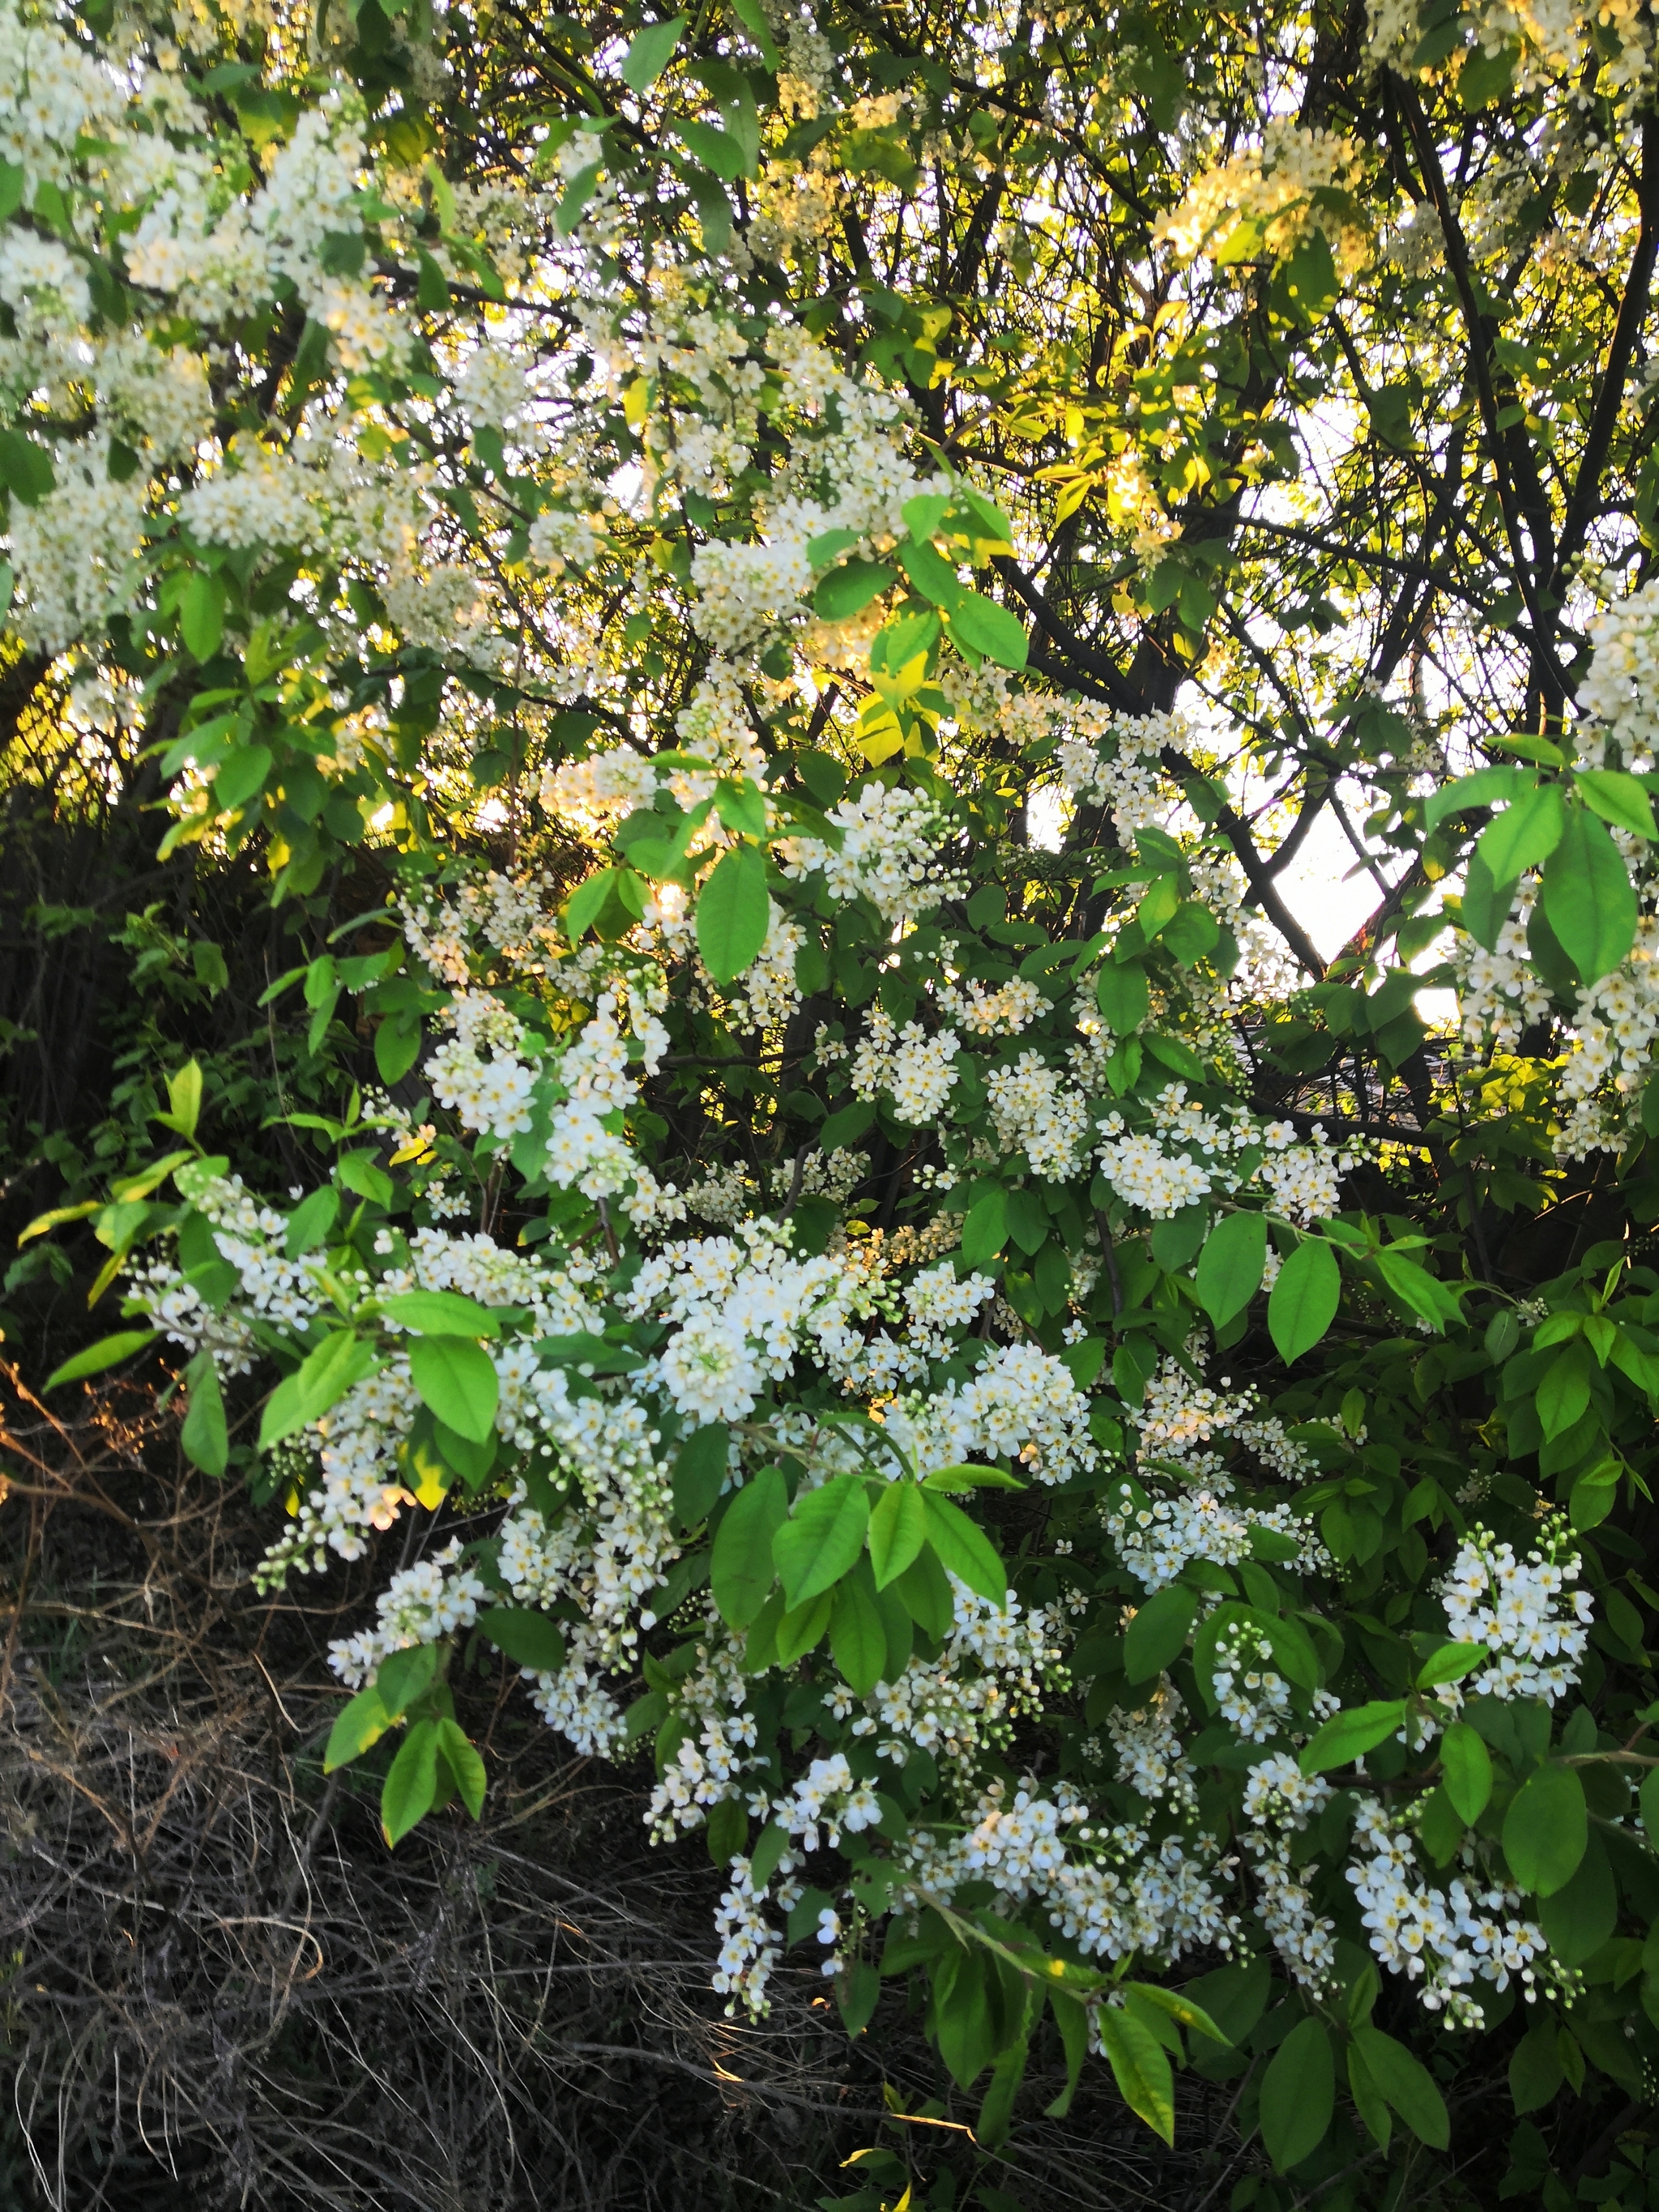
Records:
x=1525, y=833
x=964, y=1548
x=989, y=630
x=821, y=1539
x=1230, y=1266
x=732, y=913
x=898, y=1529
x=457, y=1379
x=1304, y=1297
x=741, y=1572
x=1545, y=1830
x=440, y=1313
x=1465, y=1769
x=1157, y=1635
x=108, y=1351
x=1349, y=1735
x=1298, y=2094
x=411, y=1782
x=528, y=1638
x=1406, y=2085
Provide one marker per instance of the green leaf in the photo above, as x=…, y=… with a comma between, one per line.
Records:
x=1526, y=833
x=845, y=1126
x=1619, y=799
x=752, y=16
x=587, y=903
x=823, y=1536
x=465, y=1764
x=1535, y=2067
x=1182, y=2008
x=846, y=591
x=1123, y=996
x=898, y=1529
x=404, y=1677
x=1298, y=2094
x=700, y=1471
x=1230, y=1266
x=741, y=1572
x=1141, y=2068
x=25, y=468
x=204, y=1436
x=1487, y=905
x=1350, y=1735
x=311, y=1221
x=734, y=914
x=440, y=1313
x=1563, y=1392
x=240, y=776
x=528, y=1638
x=716, y=150
x=184, y=1099
x=1466, y=1766
x=985, y=1231
x=1578, y=1919
x=924, y=1590
x=1304, y=1297
x=1426, y=1294
x=1368, y=2099
x=1545, y=1829
x=964, y=1548
x=202, y=616
x=1487, y=786
x=857, y=1637
x=1449, y=1664
x=932, y=574
x=358, y=1172
x=1590, y=901
x=357, y=1727
x=1157, y=1635
x=650, y=53
x=342, y=1360
x=802, y=1626
x=956, y=1481
x=108, y=1351
x=989, y=630
x=457, y=1379
x=411, y=1782
x=1407, y=2085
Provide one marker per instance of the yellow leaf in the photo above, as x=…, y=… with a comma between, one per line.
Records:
x=881, y=744
x=896, y=688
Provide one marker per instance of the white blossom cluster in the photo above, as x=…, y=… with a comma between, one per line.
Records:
x=1114, y=760
x=1037, y=1112
x=1157, y=1537
x=889, y=851
x=1190, y=1153
x=1444, y=1940
x=915, y=1071
x=1535, y=1628
x=1279, y=1801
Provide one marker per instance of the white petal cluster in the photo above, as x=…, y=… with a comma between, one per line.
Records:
x=1444, y=1940
x=1157, y=1537
x=913, y=1071
x=1021, y=1404
x=1536, y=1629
x=889, y=851
x=1037, y=1112
x=421, y=1604
x=990, y=1010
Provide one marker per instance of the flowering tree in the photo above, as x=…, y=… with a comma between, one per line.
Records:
x=777, y=595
